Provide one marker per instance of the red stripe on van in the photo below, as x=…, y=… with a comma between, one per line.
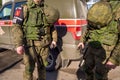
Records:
x=70, y=22
x=73, y=26
x=6, y=23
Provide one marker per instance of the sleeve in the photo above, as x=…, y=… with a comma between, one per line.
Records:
x=18, y=16
x=17, y=35
x=54, y=33
x=84, y=34
x=17, y=27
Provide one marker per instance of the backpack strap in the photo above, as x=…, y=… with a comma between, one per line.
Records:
x=25, y=12
x=44, y=17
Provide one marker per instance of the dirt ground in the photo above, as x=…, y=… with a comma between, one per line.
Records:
x=115, y=74
x=16, y=72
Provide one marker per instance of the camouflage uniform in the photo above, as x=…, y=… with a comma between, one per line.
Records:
x=35, y=28
x=115, y=58
x=101, y=43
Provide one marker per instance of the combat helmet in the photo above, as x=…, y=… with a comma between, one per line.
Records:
x=100, y=14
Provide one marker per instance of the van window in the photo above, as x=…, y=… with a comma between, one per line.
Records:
x=5, y=12
x=91, y=2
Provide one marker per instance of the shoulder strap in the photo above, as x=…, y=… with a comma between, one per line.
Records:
x=25, y=12
x=44, y=17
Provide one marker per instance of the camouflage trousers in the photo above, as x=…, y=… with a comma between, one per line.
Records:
x=29, y=61
x=94, y=66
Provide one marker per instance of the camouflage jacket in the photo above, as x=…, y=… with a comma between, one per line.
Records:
x=115, y=58
x=19, y=32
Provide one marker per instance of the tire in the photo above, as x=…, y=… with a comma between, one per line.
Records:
x=52, y=60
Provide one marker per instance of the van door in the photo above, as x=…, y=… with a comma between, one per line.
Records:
x=5, y=23
x=6, y=16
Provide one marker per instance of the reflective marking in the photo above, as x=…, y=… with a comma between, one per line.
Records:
x=6, y=23
x=71, y=22
x=72, y=25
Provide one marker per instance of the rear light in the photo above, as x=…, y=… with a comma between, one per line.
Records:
x=73, y=26
x=78, y=31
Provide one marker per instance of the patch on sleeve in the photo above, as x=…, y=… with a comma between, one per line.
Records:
x=18, y=16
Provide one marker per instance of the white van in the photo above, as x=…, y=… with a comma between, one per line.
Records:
x=69, y=27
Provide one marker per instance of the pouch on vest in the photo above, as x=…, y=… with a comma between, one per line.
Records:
x=35, y=33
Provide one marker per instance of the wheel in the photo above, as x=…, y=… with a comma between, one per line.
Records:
x=52, y=65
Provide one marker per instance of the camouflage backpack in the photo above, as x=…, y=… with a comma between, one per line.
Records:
x=100, y=14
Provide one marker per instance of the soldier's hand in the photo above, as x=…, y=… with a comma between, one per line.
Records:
x=110, y=65
x=53, y=44
x=20, y=50
x=81, y=44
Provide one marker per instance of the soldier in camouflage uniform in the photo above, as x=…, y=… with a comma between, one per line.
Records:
x=116, y=52
x=34, y=26
x=101, y=42
x=115, y=58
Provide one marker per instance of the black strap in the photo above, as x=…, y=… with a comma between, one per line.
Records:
x=38, y=58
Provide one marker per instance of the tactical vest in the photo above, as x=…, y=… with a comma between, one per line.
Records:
x=107, y=35
x=35, y=24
